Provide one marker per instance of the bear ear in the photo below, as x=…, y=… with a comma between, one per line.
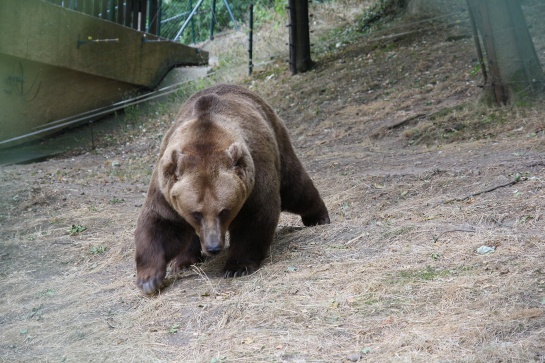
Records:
x=172, y=167
x=243, y=164
x=236, y=153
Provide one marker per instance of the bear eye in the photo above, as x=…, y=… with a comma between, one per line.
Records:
x=224, y=213
x=197, y=216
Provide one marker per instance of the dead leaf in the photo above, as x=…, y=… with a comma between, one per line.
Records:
x=247, y=341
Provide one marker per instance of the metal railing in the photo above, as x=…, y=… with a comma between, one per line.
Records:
x=142, y=15
x=146, y=15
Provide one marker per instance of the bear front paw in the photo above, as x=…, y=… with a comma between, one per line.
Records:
x=322, y=218
x=183, y=262
x=236, y=273
x=236, y=269
x=150, y=283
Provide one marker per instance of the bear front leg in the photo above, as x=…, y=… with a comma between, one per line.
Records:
x=158, y=241
x=190, y=255
x=251, y=235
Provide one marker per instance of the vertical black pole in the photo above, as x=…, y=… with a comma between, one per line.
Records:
x=300, y=60
x=150, y=9
x=88, y=7
x=92, y=135
x=96, y=8
x=159, y=16
x=293, y=36
x=212, y=19
x=143, y=10
x=251, y=40
x=111, y=15
x=153, y=23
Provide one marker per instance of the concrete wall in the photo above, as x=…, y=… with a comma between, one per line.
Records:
x=45, y=76
x=33, y=94
x=46, y=33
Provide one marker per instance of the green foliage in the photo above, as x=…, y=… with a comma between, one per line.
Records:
x=198, y=29
x=75, y=229
x=381, y=11
x=98, y=250
x=264, y=10
x=174, y=328
x=427, y=274
x=132, y=113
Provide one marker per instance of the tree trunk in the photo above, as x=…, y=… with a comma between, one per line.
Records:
x=300, y=60
x=515, y=70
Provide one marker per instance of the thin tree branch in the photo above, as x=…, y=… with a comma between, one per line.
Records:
x=513, y=182
x=405, y=121
x=435, y=239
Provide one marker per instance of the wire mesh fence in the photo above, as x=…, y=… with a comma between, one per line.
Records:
x=230, y=49
x=204, y=18
x=194, y=21
x=534, y=12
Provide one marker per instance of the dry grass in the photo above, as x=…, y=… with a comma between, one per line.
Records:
x=394, y=278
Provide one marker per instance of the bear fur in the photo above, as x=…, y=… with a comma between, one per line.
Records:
x=225, y=165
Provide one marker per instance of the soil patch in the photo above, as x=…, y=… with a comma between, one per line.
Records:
x=416, y=173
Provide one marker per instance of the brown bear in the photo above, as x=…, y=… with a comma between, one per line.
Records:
x=226, y=164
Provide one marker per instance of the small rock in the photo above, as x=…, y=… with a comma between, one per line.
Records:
x=116, y=163
x=354, y=357
x=483, y=250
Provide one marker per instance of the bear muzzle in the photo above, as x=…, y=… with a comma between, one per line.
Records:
x=212, y=243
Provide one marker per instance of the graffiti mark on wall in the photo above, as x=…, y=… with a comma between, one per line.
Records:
x=17, y=84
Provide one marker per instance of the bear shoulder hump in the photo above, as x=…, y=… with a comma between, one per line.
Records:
x=206, y=104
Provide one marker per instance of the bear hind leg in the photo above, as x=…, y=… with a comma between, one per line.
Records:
x=300, y=196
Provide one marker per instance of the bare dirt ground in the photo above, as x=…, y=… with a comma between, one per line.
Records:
x=417, y=175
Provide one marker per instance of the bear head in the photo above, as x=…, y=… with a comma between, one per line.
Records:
x=207, y=183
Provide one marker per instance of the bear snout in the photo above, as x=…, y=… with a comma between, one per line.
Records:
x=213, y=250
x=213, y=245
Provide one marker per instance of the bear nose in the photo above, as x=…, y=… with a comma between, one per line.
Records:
x=213, y=240
x=213, y=250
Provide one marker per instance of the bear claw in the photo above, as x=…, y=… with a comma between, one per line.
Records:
x=316, y=220
x=235, y=273
x=150, y=286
